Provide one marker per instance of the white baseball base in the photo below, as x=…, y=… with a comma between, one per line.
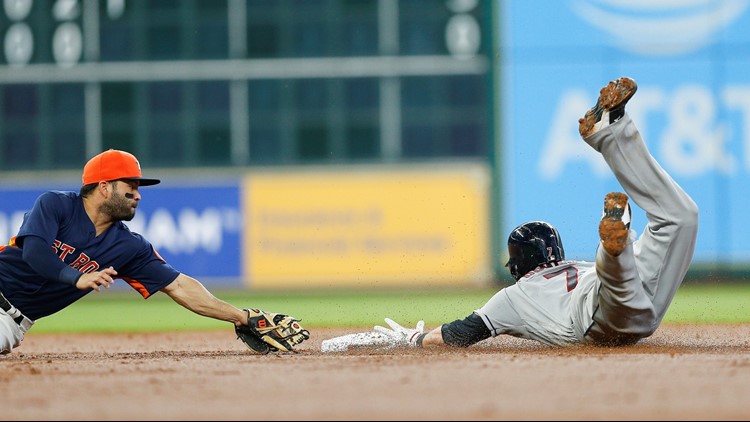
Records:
x=345, y=342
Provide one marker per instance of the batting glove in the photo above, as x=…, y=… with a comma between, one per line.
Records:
x=401, y=336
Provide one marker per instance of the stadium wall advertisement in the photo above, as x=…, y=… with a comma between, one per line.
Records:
x=690, y=59
x=363, y=227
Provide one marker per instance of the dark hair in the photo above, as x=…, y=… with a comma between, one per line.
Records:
x=87, y=189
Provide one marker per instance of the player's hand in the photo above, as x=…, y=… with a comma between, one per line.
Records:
x=401, y=336
x=95, y=279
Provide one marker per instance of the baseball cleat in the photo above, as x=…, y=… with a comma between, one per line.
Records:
x=614, y=226
x=609, y=108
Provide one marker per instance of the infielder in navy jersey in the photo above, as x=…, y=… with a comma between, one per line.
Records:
x=70, y=244
x=620, y=298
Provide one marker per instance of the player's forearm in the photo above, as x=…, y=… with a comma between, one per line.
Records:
x=433, y=338
x=460, y=333
x=191, y=294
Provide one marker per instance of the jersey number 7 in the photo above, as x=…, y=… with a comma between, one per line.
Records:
x=571, y=276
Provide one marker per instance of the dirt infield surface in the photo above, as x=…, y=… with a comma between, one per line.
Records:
x=682, y=372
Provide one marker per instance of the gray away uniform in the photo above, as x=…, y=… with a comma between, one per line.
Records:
x=618, y=299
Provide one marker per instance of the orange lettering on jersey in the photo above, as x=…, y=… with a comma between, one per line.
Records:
x=90, y=267
x=62, y=249
x=82, y=259
x=65, y=250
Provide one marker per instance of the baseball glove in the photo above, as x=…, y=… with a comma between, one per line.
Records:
x=269, y=332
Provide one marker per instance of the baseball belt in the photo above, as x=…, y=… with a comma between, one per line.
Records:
x=20, y=319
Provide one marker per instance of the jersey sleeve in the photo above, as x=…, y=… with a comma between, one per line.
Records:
x=500, y=316
x=36, y=253
x=37, y=233
x=147, y=272
x=45, y=217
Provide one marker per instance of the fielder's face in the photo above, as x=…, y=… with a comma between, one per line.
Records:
x=122, y=203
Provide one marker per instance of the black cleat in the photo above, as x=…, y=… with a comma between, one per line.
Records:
x=614, y=226
x=609, y=108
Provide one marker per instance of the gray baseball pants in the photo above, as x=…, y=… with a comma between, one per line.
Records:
x=638, y=286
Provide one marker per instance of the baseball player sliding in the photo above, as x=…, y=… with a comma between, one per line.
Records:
x=71, y=244
x=618, y=299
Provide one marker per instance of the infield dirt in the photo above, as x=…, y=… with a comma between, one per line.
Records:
x=683, y=372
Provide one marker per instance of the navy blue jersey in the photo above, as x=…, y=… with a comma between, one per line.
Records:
x=61, y=220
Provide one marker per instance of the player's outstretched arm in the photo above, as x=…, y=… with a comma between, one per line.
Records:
x=261, y=331
x=395, y=336
x=460, y=333
x=191, y=294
